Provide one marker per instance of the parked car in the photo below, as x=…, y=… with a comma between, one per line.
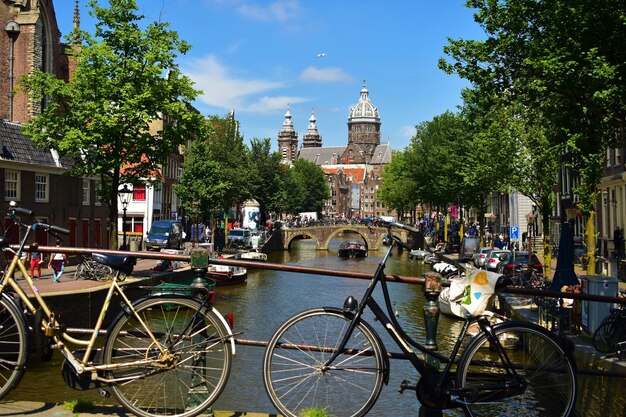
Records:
x=495, y=258
x=480, y=257
x=519, y=261
x=165, y=234
x=469, y=246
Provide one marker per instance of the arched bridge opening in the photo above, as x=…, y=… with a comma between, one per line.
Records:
x=373, y=237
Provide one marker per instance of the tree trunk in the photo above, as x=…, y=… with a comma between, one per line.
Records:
x=547, y=250
x=590, y=235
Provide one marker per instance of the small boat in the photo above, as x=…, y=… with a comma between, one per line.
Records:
x=227, y=275
x=252, y=256
x=445, y=268
x=418, y=254
x=352, y=249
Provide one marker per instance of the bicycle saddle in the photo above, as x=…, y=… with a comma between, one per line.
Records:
x=122, y=263
x=502, y=282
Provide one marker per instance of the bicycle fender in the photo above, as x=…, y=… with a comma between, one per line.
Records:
x=350, y=316
x=227, y=327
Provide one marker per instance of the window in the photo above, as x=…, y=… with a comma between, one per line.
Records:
x=41, y=188
x=86, y=190
x=98, y=190
x=139, y=192
x=617, y=156
x=12, y=185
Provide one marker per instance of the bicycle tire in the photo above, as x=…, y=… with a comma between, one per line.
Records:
x=103, y=272
x=294, y=379
x=80, y=271
x=609, y=333
x=186, y=383
x=538, y=357
x=14, y=348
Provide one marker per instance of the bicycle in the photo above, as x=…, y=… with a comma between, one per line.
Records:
x=165, y=353
x=89, y=268
x=612, y=330
x=333, y=359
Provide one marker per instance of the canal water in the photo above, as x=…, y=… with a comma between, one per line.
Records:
x=267, y=300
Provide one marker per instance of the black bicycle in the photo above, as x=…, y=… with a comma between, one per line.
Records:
x=331, y=358
x=610, y=335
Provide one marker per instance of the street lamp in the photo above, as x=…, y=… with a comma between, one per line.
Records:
x=125, y=195
x=12, y=29
x=531, y=227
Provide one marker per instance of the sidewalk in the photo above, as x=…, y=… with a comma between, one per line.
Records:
x=40, y=409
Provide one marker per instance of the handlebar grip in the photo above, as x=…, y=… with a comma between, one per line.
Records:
x=24, y=211
x=58, y=229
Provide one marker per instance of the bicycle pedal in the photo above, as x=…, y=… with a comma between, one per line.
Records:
x=406, y=385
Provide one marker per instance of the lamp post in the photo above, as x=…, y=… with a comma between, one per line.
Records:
x=12, y=29
x=531, y=227
x=124, y=195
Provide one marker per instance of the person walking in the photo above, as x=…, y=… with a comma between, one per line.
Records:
x=57, y=263
x=35, y=259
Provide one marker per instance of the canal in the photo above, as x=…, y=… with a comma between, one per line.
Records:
x=261, y=305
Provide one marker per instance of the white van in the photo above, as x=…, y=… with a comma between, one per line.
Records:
x=239, y=238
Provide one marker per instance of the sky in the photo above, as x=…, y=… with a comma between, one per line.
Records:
x=261, y=58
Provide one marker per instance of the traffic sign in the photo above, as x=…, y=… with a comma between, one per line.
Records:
x=514, y=232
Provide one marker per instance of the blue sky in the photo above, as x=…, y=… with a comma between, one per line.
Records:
x=259, y=57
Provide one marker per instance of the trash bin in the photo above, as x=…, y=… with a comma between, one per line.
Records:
x=594, y=311
x=133, y=244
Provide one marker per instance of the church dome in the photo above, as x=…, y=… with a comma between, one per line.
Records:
x=364, y=110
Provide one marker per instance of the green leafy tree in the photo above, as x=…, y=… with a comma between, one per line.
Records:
x=565, y=59
x=226, y=147
x=306, y=188
x=398, y=187
x=267, y=177
x=126, y=81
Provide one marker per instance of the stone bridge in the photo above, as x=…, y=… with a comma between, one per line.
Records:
x=372, y=236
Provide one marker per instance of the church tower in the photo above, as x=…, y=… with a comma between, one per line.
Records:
x=288, y=140
x=363, y=130
x=312, y=138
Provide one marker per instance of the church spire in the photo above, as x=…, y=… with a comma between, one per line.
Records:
x=76, y=16
x=312, y=138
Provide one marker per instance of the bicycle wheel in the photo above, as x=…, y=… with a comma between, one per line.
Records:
x=191, y=373
x=14, y=347
x=80, y=271
x=293, y=373
x=103, y=272
x=486, y=386
x=609, y=333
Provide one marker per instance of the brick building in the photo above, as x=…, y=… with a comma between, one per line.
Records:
x=33, y=177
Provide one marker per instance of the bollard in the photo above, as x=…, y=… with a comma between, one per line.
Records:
x=199, y=264
x=432, y=288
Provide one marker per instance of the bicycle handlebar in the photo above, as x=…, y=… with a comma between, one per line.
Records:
x=14, y=211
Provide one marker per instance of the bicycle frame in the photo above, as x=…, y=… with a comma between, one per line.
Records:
x=435, y=380
x=54, y=329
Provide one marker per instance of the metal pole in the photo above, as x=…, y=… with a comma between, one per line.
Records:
x=124, y=227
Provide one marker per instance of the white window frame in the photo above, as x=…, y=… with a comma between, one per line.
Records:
x=86, y=192
x=16, y=185
x=45, y=185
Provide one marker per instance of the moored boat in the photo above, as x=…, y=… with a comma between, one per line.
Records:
x=227, y=275
x=352, y=249
x=253, y=256
x=418, y=254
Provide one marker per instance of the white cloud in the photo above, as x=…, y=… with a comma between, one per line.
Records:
x=280, y=11
x=408, y=132
x=324, y=75
x=224, y=90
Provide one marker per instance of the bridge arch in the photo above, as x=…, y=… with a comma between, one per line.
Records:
x=304, y=234
x=342, y=229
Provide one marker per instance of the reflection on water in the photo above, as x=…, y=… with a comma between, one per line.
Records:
x=267, y=300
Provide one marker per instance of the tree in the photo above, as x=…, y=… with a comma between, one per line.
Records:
x=267, y=176
x=306, y=188
x=398, y=187
x=102, y=117
x=566, y=59
x=226, y=147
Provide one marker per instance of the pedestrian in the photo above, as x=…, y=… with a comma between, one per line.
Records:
x=57, y=263
x=35, y=259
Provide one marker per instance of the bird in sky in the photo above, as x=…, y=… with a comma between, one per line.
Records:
x=321, y=54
